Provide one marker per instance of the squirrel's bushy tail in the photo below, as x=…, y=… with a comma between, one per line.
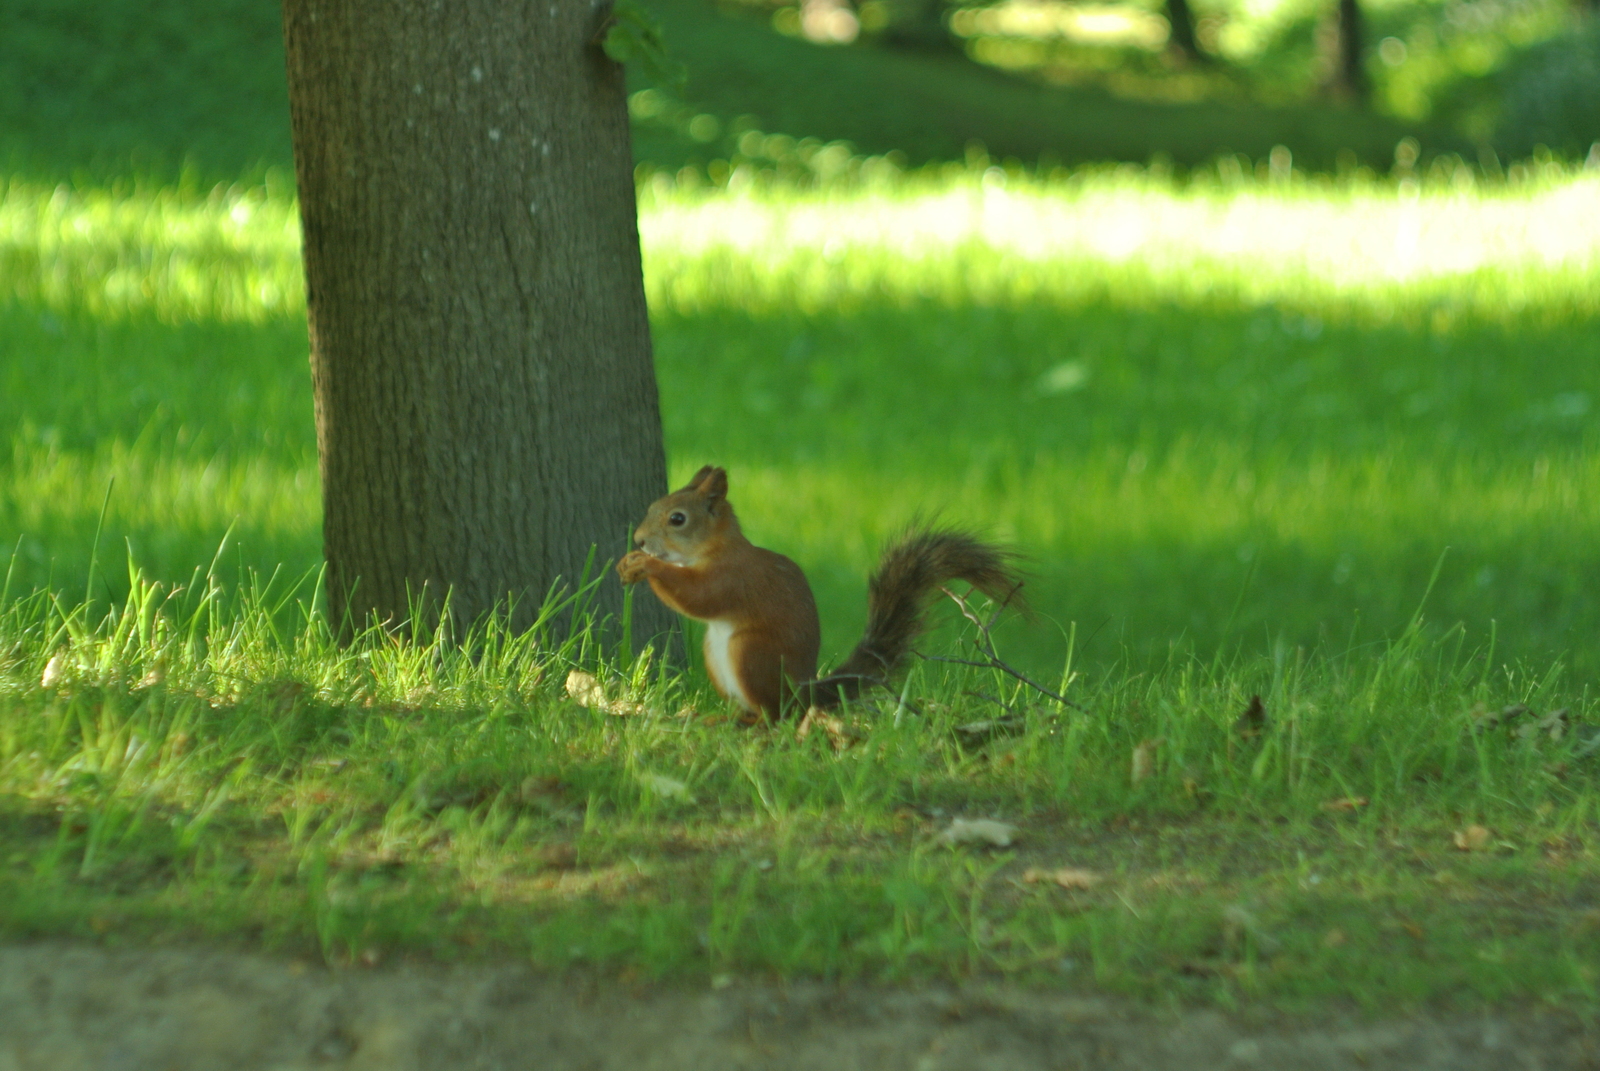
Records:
x=921, y=562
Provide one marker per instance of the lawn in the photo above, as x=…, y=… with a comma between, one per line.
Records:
x=196, y=91
x=1326, y=441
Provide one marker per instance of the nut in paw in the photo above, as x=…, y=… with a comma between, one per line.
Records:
x=633, y=567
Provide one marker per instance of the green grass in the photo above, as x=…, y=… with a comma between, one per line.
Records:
x=1217, y=416
x=193, y=769
x=1243, y=428
x=197, y=90
x=1245, y=425
x=929, y=107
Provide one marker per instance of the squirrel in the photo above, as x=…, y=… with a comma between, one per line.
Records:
x=762, y=631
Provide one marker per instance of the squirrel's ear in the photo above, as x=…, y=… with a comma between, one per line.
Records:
x=695, y=480
x=714, y=487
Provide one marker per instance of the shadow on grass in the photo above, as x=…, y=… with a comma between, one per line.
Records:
x=1181, y=474
x=198, y=430
x=1198, y=475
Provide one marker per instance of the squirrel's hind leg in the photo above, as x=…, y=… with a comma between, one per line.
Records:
x=759, y=665
x=749, y=666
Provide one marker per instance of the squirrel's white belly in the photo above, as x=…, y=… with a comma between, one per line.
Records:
x=719, y=662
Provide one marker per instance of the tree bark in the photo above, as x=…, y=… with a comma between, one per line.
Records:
x=486, y=405
x=1180, y=17
x=1350, y=69
x=919, y=25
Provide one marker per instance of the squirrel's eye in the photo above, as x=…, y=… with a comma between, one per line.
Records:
x=678, y=519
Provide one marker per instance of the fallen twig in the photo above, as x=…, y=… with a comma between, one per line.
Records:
x=986, y=647
x=996, y=700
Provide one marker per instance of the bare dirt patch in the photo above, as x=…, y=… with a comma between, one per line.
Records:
x=65, y=1006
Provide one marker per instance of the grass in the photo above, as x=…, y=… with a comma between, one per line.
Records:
x=1244, y=427
x=929, y=107
x=1246, y=423
x=1217, y=415
x=196, y=93
x=193, y=769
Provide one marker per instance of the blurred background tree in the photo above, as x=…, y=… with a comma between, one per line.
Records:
x=1349, y=60
x=1550, y=94
x=1183, y=38
x=1054, y=80
x=1183, y=80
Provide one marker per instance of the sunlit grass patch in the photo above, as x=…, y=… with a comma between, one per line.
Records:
x=985, y=236
x=232, y=254
x=1378, y=250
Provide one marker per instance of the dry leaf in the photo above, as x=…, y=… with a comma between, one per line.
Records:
x=1472, y=839
x=1144, y=759
x=1072, y=877
x=1482, y=720
x=54, y=670
x=1553, y=725
x=840, y=735
x=664, y=786
x=587, y=691
x=156, y=675
x=1068, y=877
x=1343, y=804
x=813, y=718
x=981, y=831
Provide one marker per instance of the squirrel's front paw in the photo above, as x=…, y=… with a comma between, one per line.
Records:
x=633, y=567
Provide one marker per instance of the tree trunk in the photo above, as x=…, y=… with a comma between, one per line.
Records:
x=918, y=25
x=485, y=401
x=1180, y=17
x=1350, y=69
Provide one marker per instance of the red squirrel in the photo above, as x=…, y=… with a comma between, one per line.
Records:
x=762, y=632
